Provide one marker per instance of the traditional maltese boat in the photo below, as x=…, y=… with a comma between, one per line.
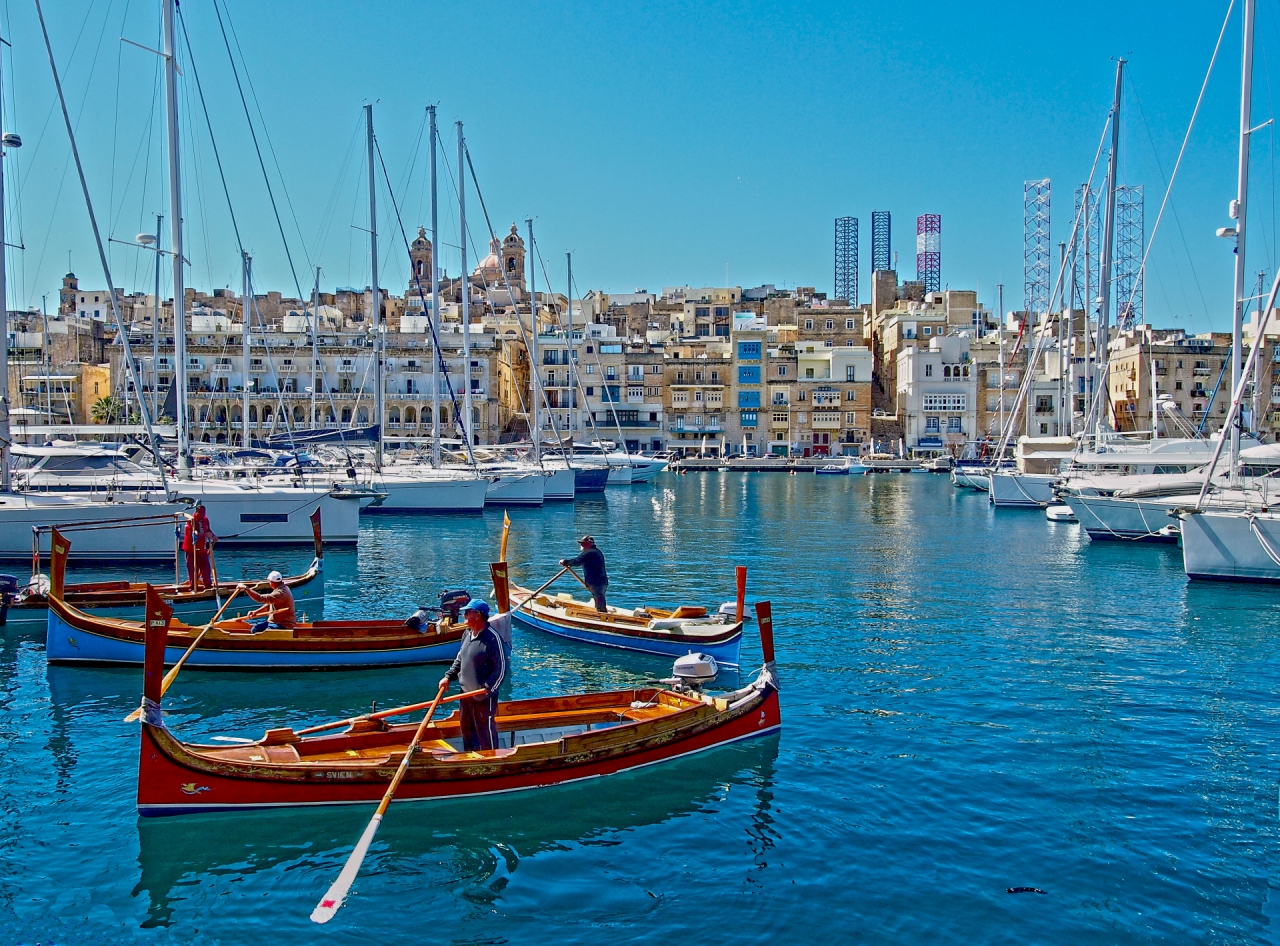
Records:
x=544, y=742
x=671, y=632
x=29, y=606
x=75, y=636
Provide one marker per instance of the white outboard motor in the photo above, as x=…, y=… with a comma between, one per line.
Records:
x=693, y=670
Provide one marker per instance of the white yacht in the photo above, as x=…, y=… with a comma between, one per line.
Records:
x=20, y=513
x=240, y=513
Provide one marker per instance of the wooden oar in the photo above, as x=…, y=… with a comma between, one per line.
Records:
x=383, y=714
x=534, y=594
x=580, y=581
x=331, y=902
x=173, y=673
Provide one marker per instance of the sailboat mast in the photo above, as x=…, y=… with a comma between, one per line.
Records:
x=5, y=475
x=466, y=296
x=1238, y=209
x=1108, y=234
x=376, y=302
x=244, y=320
x=1000, y=342
x=533, y=355
x=435, y=303
x=572, y=349
x=175, y=238
x=155, y=329
x=315, y=346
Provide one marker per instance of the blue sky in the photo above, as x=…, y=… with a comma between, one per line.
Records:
x=662, y=143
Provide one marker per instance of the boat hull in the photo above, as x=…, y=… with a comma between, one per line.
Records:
x=515, y=489
x=560, y=484
x=245, y=517
x=130, y=603
x=590, y=479
x=725, y=648
x=1106, y=518
x=173, y=780
x=142, y=542
x=76, y=638
x=1231, y=546
x=1022, y=490
x=409, y=496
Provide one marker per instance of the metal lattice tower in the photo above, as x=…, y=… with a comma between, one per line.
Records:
x=1130, y=243
x=1037, y=263
x=846, y=286
x=1088, y=248
x=881, y=257
x=929, y=251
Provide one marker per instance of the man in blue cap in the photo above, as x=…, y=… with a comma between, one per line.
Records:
x=481, y=664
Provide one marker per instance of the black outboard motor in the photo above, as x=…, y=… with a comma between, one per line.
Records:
x=452, y=602
x=418, y=619
x=8, y=593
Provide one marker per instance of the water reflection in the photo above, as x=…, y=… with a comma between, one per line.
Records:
x=475, y=845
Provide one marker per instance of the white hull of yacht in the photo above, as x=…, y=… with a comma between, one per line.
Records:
x=410, y=495
x=1131, y=520
x=559, y=484
x=620, y=475
x=19, y=512
x=515, y=489
x=1025, y=490
x=1231, y=546
x=971, y=479
x=280, y=515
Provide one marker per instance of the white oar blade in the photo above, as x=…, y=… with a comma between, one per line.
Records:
x=331, y=902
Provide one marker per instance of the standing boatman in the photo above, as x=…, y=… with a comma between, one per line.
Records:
x=197, y=539
x=594, y=575
x=481, y=664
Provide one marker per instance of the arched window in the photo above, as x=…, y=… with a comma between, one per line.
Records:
x=410, y=417
x=362, y=416
x=346, y=415
x=426, y=415
x=266, y=413
x=299, y=415
x=444, y=415
x=221, y=416
x=511, y=264
x=393, y=417
x=253, y=414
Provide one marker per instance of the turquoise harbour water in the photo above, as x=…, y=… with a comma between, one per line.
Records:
x=972, y=700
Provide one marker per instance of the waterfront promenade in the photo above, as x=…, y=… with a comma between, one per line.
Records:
x=973, y=700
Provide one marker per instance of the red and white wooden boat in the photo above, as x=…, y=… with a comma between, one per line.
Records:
x=544, y=742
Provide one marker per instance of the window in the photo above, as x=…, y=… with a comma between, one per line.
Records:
x=802, y=417
x=850, y=419
x=680, y=397
x=831, y=323
x=702, y=313
x=953, y=425
x=697, y=375
x=591, y=369
x=749, y=350
x=928, y=371
x=655, y=369
x=748, y=418
x=849, y=372
x=611, y=373
x=715, y=377
x=808, y=372
x=635, y=392
x=848, y=324
x=749, y=399
x=780, y=417
x=932, y=425
x=782, y=371
x=697, y=396
x=1177, y=385
x=928, y=330
x=944, y=402
x=850, y=395
x=802, y=395
x=748, y=374
x=808, y=325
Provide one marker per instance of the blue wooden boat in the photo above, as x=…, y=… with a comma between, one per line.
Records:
x=669, y=632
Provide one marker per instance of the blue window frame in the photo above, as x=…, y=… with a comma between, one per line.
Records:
x=748, y=418
x=748, y=374
x=748, y=398
x=749, y=350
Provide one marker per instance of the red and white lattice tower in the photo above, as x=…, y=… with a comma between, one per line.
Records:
x=929, y=251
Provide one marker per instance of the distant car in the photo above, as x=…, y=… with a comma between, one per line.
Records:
x=878, y=413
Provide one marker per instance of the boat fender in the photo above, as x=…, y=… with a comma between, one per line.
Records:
x=1024, y=890
x=418, y=620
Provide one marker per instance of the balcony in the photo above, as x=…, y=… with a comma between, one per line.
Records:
x=1200, y=372
x=286, y=367
x=412, y=367
x=346, y=367
x=221, y=369
x=256, y=367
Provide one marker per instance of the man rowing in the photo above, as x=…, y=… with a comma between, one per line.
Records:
x=594, y=575
x=277, y=608
x=481, y=664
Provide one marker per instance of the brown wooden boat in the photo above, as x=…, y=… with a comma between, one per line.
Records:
x=544, y=742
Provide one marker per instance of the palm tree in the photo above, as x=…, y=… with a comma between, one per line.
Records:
x=105, y=410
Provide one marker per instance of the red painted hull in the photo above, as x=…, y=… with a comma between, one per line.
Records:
x=169, y=785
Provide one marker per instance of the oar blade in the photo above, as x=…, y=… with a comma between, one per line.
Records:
x=332, y=901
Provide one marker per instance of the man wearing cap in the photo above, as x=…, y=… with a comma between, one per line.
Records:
x=593, y=574
x=277, y=604
x=481, y=664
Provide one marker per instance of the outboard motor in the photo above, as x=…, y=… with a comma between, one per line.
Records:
x=419, y=619
x=693, y=670
x=8, y=594
x=452, y=602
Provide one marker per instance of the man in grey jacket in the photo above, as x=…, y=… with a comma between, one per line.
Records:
x=481, y=664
